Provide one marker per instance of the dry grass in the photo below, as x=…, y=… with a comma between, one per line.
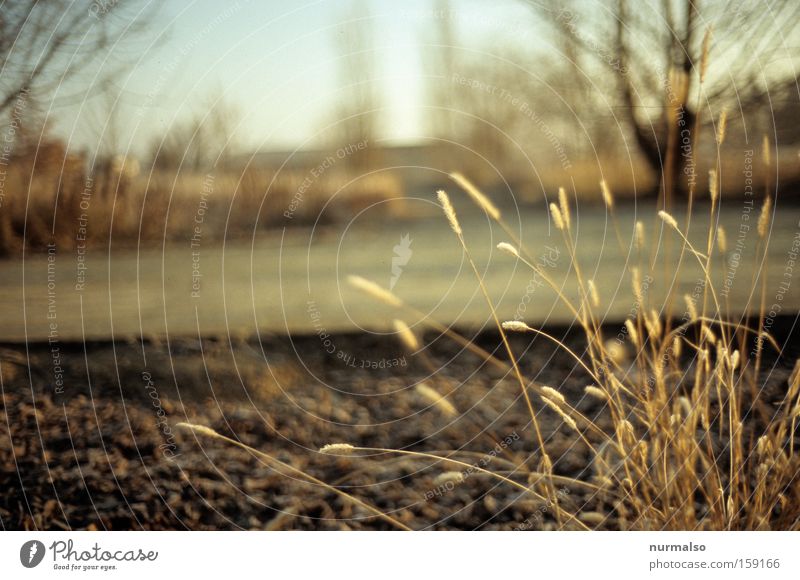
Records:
x=630, y=178
x=62, y=205
x=692, y=445
x=690, y=442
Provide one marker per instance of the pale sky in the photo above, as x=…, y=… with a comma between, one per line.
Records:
x=277, y=62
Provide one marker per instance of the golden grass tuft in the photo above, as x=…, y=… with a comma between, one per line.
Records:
x=688, y=439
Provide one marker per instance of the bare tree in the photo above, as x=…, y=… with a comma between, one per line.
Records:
x=476, y=100
x=441, y=60
x=43, y=45
x=358, y=107
x=651, y=57
x=201, y=141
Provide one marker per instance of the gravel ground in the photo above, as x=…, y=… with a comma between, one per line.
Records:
x=88, y=437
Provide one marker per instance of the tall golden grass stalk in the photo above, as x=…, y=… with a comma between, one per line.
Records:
x=336, y=448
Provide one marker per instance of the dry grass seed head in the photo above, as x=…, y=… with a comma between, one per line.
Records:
x=794, y=379
x=723, y=121
x=593, y=518
x=508, y=249
x=734, y=360
x=704, y=356
x=685, y=406
x=337, y=449
x=615, y=383
x=593, y=295
x=199, y=429
x=713, y=185
x=449, y=211
x=722, y=240
x=636, y=285
x=668, y=219
x=691, y=308
x=433, y=396
x=763, y=218
x=555, y=213
x=477, y=195
x=704, y=57
x=407, y=336
x=615, y=351
x=632, y=333
x=563, y=204
x=553, y=394
x=608, y=198
x=455, y=477
x=639, y=238
x=557, y=408
x=677, y=347
x=371, y=288
x=515, y=326
x=653, y=324
x=625, y=432
x=596, y=392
